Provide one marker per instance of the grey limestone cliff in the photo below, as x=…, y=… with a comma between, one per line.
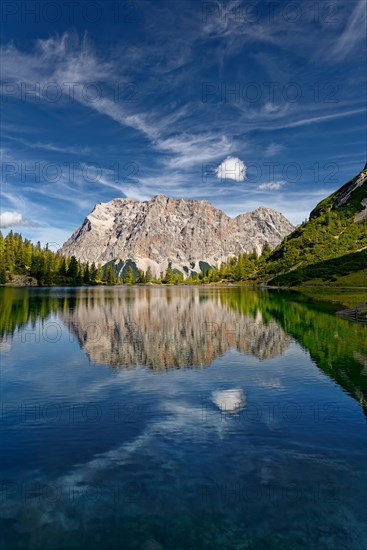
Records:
x=186, y=234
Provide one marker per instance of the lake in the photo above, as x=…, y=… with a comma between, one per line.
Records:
x=180, y=418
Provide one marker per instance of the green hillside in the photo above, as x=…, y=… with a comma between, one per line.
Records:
x=330, y=245
x=347, y=270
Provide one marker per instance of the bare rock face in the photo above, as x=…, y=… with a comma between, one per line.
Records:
x=165, y=231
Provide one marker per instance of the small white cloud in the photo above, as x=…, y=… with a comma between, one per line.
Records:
x=11, y=219
x=7, y=219
x=232, y=168
x=271, y=186
x=274, y=149
x=271, y=108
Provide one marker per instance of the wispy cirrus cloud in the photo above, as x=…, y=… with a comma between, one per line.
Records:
x=323, y=118
x=353, y=34
x=189, y=149
x=273, y=149
x=66, y=61
x=71, y=65
x=76, y=150
x=59, y=149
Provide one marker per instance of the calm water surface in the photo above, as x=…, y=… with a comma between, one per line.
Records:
x=180, y=418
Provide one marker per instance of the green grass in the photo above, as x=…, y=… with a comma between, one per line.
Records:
x=357, y=279
x=347, y=270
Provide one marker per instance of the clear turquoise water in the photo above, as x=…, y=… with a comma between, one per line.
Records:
x=180, y=418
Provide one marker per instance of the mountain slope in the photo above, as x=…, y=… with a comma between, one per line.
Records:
x=188, y=235
x=337, y=228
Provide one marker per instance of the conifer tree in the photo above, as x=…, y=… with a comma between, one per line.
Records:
x=63, y=269
x=86, y=275
x=148, y=276
x=129, y=276
x=266, y=250
x=140, y=277
x=73, y=270
x=99, y=273
x=93, y=274
x=169, y=276
x=3, y=277
x=109, y=275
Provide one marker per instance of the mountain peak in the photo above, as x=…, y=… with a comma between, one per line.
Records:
x=186, y=234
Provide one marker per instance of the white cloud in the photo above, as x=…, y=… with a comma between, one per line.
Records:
x=50, y=146
x=66, y=59
x=188, y=149
x=8, y=219
x=274, y=149
x=271, y=108
x=232, y=168
x=322, y=118
x=272, y=185
x=228, y=19
x=354, y=32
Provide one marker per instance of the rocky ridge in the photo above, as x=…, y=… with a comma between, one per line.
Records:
x=185, y=234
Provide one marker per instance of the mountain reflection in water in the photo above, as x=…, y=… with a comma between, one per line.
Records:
x=178, y=327
x=167, y=329
x=180, y=417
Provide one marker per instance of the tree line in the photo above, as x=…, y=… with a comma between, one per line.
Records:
x=19, y=256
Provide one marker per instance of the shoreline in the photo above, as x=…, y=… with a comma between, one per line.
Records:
x=326, y=289
x=348, y=302
x=219, y=284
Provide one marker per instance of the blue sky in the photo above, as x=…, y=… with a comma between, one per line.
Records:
x=240, y=103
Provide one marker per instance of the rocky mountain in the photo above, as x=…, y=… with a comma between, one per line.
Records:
x=331, y=245
x=188, y=235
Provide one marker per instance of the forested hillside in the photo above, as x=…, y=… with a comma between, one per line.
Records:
x=332, y=243
x=19, y=257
